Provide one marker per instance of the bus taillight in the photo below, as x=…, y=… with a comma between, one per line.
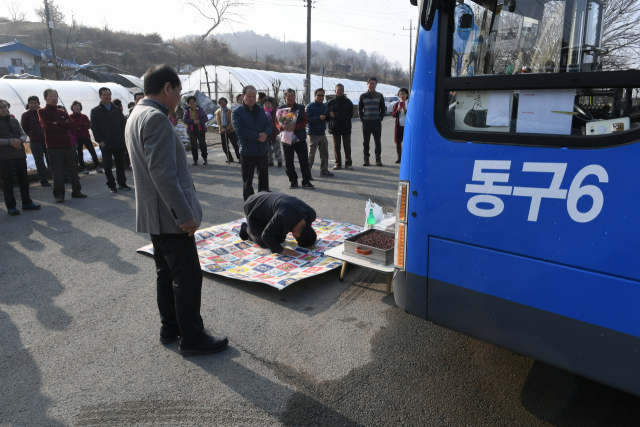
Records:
x=403, y=190
x=398, y=258
x=401, y=226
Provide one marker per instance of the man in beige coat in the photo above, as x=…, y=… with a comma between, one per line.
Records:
x=227, y=133
x=168, y=208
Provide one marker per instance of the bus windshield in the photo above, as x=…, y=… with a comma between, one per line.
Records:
x=526, y=36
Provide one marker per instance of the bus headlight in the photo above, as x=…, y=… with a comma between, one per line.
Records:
x=401, y=226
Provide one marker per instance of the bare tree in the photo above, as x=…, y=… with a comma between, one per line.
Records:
x=15, y=11
x=298, y=53
x=218, y=11
x=621, y=35
x=275, y=85
x=360, y=62
x=373, y=67
x=385, y=67
x=56, y=15
x=397, y=73
x=332, y=57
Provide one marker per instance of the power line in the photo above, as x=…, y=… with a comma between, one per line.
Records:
x=384, y=16
x=364, y=29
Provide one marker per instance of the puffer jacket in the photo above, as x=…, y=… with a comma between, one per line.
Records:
x=248, y=125
x=11, y=129
x=31, y=125
x=202, y=118
x=316, y=126
x=83, y=124
x=108, y=126
x=342, y=109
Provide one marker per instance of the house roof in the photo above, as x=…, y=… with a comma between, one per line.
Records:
x=63, y=62
x=16, y=45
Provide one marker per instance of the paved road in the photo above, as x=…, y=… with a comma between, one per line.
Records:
x=79, y=332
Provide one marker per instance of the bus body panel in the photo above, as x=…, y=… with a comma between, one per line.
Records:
x=562, y=266
x=603, y=300
x=598, y=353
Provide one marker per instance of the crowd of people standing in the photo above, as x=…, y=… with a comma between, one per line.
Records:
x=249, y=128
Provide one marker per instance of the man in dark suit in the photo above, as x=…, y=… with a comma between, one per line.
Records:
x=107, y=125
x=168, y=208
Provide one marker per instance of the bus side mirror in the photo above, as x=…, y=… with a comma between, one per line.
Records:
x=466, y=21
x=428, y=11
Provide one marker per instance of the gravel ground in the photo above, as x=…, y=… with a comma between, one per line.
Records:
x=79, y=331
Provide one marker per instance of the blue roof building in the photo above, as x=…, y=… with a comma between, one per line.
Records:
x=17, y=58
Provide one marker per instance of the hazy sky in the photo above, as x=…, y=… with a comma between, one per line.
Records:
x=372, y=25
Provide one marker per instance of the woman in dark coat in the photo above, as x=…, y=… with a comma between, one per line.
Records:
x=83, y=125
x=195, y=118
x=400, y=113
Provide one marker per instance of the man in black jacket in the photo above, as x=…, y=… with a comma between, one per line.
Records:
x=340, y=112
x=107, y=125
x=371, y=111
x=272, y=215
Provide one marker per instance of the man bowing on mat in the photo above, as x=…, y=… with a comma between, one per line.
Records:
x=272, y=215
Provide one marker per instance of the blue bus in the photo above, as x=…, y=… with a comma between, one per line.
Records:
x=519, y=197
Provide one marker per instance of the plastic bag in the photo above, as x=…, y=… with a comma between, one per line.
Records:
x=377, y=211
x=388, y=223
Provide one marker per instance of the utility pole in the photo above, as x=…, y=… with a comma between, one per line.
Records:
x=284, y=50
x=54, y=58
x=410, y=51
x=307, y=86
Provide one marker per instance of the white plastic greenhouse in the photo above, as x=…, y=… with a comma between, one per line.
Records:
x=231, y=80
x=16, y=92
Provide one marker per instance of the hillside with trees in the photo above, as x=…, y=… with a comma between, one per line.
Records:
x=134, y=53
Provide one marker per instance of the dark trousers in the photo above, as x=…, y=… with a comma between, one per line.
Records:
x=399, y=139
x=178, y=285
x=249, y=165
x=198, y=138
x=299, y=148
x=371, y=127
x=84, y=141
x=39, y=152
x=63, y=158
x=256, y=228
x=7, y=167
x=338, y=141
x=232, y=138
x=118, y=157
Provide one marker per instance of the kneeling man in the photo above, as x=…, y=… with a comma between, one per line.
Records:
x=272, y=215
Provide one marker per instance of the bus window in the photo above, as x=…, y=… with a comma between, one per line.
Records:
x=579, y=112
x=536, y=37
x=514, y=65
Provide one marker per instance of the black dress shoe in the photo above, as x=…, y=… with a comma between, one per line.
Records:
x=124, y=187
x=78, y=195
x=208, y=345
x=45, y=184
x=243, y=231
x=113, y=190
x=168, y=337
x=294, y=185
x=308, y=185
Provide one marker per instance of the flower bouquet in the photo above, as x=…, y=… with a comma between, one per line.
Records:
x=285, y=116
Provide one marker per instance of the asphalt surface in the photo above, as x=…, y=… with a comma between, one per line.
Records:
x=79, y=331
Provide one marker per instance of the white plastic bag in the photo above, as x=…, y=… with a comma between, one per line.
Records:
x=377, y=212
